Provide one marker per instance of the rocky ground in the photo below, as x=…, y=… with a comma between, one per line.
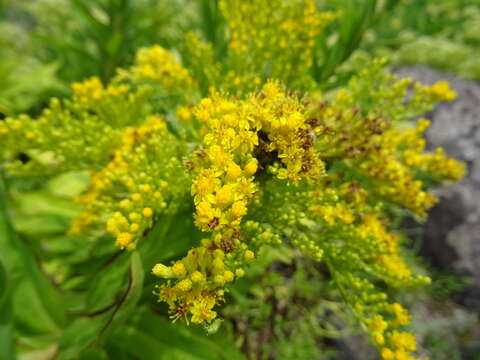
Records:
x=451, y=239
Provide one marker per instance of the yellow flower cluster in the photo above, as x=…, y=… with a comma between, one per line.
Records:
x=370, y=250
x=380, y=93
x=440, y=91
x=273, y=131
x=222, y=188
x=354, y=230
x=346, y=208
x=132, y=171
x=400, y=158
x=268, y=124
x=196, y=282
x=396, y=182
x=388, y=258
x=200, y=277
x=285, y=129
x=436, y=164
x=272, y=39
x=335, y=219
x=394, y=345
x=333, y=214
x=390, y=158
x=92, y=89
x=158, y=65
x=271, y=125
x=70, y=135
x=204, y=66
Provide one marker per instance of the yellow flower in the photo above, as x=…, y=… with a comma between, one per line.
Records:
x=387, y=354
x=442, y=91
x=202, y=311
x=124, y=239
x=136, y=197
x=178, y=269
x=402, y=316
x=196, y=277
x=203, y=185
x=240, y=273
x=204, y=210
x=126, y=204
x=184, y=113
x=248, y=255
x=184, y=285
x=403, y=341
x=377, y=324
x=162, y=271
x=146, y=188
x=147, y=212
x=239, y=208
x=158, y=64
x=251, y=167
x=224, y=195
x=233, y=171
x=228, y=275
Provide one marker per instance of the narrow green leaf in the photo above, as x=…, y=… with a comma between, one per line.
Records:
x=108, y=284
x=80, y=335
x=37, y=305
x=6, y=318
x=86, y=335
x=153, y=337
x=88, y=15
x=128, y=302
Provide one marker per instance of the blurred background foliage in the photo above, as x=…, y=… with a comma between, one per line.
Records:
x=47, y=44
x=285, y=313
x=442, y=34
x=50, y=43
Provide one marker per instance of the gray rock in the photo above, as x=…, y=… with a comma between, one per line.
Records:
x=355, y=347
x=451, y=238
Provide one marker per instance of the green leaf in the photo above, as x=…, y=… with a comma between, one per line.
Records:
x=6, y=327
x=153, y=337
x=108, y=284
x=213, y=327
x=42, y=224
x=85, y=337
x=81, y=335
x=88, y=16
x=37, y=305
x=131, y=297
x=40, y=202
x=69, y=185
x=114, y=44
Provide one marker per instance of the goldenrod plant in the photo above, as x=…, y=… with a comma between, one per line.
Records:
x=247, y=150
